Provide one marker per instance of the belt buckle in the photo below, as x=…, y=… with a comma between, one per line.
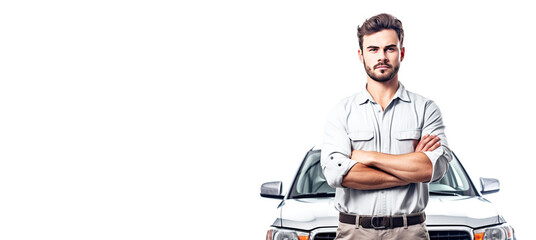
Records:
x=380, y=224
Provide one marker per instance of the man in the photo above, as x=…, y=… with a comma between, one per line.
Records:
x=383, y=145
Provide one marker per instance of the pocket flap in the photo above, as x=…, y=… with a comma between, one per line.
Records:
x=408, y=135
x=361, y=135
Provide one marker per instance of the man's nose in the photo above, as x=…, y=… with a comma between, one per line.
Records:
x=382, y=59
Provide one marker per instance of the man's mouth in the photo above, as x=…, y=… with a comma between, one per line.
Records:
x=382, y=67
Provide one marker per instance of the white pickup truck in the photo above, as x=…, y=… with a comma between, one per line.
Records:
x=456, y=209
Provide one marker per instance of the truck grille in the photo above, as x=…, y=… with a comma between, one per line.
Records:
x=449, y=235
x=325, y=236
x=434, y=235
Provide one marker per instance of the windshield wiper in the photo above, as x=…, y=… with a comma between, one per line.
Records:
x=313, y=195
x=444, y=193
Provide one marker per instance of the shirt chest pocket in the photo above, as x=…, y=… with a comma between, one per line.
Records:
x=406, y=141
x=362, y=140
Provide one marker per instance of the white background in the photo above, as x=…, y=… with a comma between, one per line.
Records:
x=160, y=119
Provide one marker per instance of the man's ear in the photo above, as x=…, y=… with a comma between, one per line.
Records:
x=402, y=53
x=360, y=54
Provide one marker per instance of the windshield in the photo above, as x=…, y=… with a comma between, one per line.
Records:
x=310, y=181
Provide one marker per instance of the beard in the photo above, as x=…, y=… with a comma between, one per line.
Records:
x=382, y=77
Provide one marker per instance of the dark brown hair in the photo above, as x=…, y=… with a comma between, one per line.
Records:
x=378, y=23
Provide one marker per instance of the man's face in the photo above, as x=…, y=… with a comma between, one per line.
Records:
x=381, y=55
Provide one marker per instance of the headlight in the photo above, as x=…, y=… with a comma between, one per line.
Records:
x=286, y=234
x=500, y=232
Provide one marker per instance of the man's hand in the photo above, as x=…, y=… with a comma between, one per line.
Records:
x=427, y=143
x=364, y=157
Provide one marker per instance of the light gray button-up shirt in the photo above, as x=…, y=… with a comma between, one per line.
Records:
x=358, y=122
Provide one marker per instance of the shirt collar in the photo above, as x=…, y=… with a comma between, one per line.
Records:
x=401, y=93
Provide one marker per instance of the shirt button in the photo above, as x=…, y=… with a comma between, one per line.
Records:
x=331, y=157
x=339, y=164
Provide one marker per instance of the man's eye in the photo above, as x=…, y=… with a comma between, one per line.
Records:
x=391, y=49
x=373, y=50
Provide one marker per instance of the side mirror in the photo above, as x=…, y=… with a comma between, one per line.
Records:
x=272, y=190
x=489, y=185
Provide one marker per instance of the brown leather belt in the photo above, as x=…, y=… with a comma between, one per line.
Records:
x=383, y=222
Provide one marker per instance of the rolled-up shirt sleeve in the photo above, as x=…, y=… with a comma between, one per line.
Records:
x=336, y=147
x=433, y=125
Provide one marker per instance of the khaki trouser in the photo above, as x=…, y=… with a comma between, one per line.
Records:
x=413, y=232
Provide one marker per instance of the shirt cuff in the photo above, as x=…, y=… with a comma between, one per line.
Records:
x=439, y=158
x=335, y=167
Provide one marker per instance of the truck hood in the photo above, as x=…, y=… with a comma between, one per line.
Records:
x=311, y=213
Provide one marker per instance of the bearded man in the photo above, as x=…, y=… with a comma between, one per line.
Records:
x=383, y=146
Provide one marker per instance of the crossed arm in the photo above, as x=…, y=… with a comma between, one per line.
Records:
x=376, y=170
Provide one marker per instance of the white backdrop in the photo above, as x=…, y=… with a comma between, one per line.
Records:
x=161, y=119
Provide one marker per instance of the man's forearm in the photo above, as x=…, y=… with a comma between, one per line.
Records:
x=411, y=167
x=378, y=171
x=363, y=177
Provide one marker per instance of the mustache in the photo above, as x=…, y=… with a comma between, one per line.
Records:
x=382, y=64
